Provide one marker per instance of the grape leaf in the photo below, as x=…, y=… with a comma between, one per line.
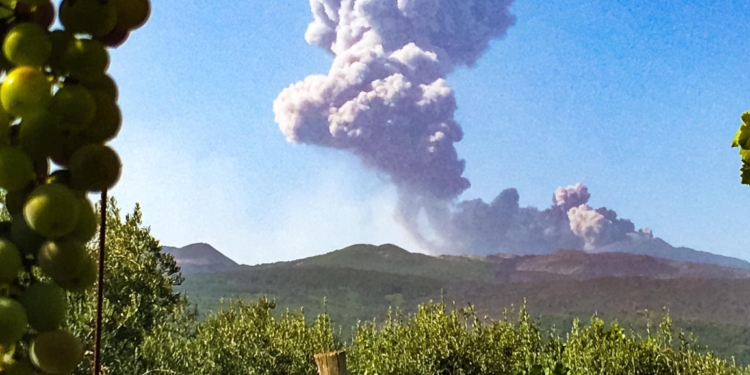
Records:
x=746, y=118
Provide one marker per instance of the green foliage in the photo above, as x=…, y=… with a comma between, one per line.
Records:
x=139, y=297
x=742, y=141
x=245, y=339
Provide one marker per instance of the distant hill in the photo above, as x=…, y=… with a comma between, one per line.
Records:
x=200, y=257
x=361, y=282
x=657, y=247
x=504, y=268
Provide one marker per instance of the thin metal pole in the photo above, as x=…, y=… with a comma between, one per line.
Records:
x=100, y=288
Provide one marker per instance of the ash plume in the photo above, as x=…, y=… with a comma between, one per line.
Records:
x=571, y=196
x=386, y=100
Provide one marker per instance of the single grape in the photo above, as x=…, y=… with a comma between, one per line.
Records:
x=56, y=352
x=94, y=17
x=103, y=85
x=41, y=14
x=83, y=279
x=40, y=134
x=16, y=169
x=52, y=210
x=132, y=14
x=87, y=221
x=13, y=321
x=84, y=59
x=10, y=261
x=27, y=44
x=46, y=306
x=95, y=168
x=26, y=90
x=75, y=106
x=107, y=121
x=62, y=260
x=26, y=239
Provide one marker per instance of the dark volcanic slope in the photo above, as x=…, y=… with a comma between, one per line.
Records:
x=580, y=265
x=659, y=248
x=200, y=257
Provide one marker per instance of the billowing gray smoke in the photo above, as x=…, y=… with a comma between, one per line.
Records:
x=386, y=100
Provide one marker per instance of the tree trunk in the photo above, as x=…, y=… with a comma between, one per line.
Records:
x=333, y=363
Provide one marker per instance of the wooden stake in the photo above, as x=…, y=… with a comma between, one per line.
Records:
x=333, y=363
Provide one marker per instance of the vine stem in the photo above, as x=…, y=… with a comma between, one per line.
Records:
x=100, y=287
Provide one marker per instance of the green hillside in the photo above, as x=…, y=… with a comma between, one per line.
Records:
x=392, y=259
x=362, y=282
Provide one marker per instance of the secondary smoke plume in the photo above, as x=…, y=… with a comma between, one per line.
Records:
x=386, y=99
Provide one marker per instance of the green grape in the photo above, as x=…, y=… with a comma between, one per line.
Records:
x=10, y=261
x=56, y=352
x=40, y=134
x=83, y=279
x=45, y=305
x=18, y=367
x=87, y=221
x=13, y=321
x=132, y=14
x=95, y=168
x=41, y=14
x=94, y=17
x=26, y=90
x=16, y=169
x=51, y=210
x=27, y=44
x=62, y=260
x=103, y=85
x=75, y=106
x=26, y=239
x=85, y=59
x=107, y=121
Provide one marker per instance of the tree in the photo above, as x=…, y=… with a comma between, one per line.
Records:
x=139, y=294
x=742, y=140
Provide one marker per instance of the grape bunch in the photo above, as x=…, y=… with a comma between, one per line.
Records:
x=58, y=110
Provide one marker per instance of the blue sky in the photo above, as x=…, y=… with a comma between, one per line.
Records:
x=637, y=99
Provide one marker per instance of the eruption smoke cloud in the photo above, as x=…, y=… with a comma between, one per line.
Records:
x=386, y=100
